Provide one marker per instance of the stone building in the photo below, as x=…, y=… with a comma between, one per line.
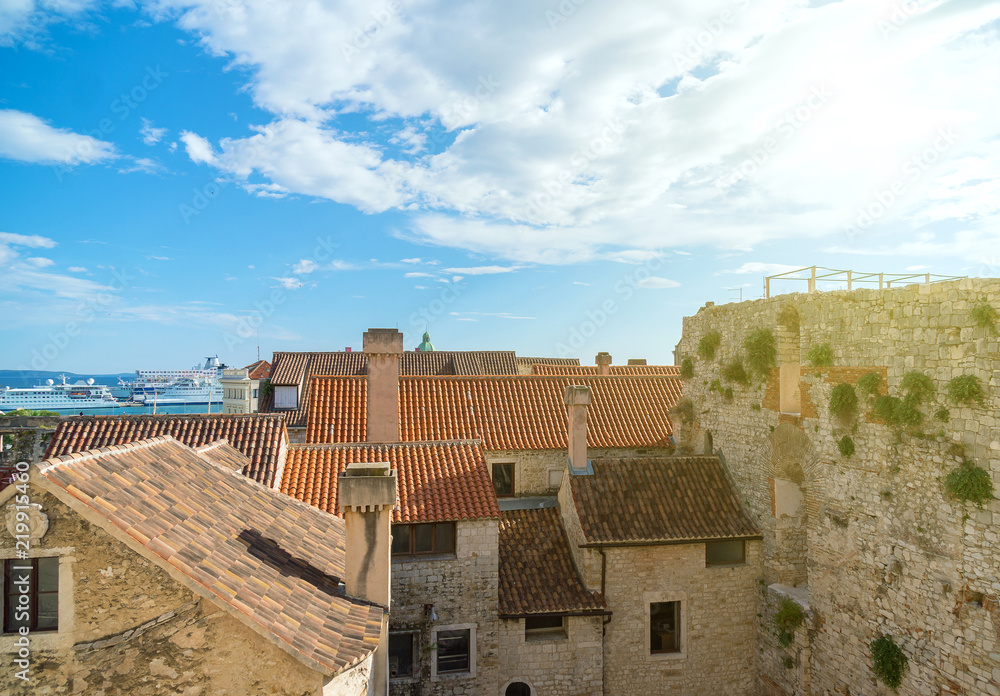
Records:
x=860, y=525
x=241, y=388
x=155, y=568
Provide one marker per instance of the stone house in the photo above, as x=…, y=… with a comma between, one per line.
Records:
x=155, y=568
x=859, y=525
x=241, y=388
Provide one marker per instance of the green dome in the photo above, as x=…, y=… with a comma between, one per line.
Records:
x=426, y=345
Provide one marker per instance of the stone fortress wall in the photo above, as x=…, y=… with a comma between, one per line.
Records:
x=870, y=544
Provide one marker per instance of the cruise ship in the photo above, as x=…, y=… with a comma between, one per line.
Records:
x=51, y=396
x=183, y=391
x=154, y=383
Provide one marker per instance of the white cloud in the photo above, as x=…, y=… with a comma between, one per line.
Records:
x=26, y=275
x=144, y=165
x=77, y=269
x=151, y=134
x=483, y=270
x=27, y=138
x=760, y=268
x=289, y=283
x=305, y=266
x=563, y=143
x=657, y=283
x=418, y=275
x=415, y=260
x=25, y=21
x=39, y=262
x=159, y=258
x=580, y=282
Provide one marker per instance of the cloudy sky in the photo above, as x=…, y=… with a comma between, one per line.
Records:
x=556, y=178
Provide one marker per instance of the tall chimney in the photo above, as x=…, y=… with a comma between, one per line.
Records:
x=603, y=363
x=366, y=494
x=383, y=348
x=577, y=400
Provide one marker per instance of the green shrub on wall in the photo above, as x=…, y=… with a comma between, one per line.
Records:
x=968, y=482
x=942, y=414
x=966, y=389
x=708, y=344
x=844, y=403
x=885, y=409
x=761, y=352
x=846, y=446
x=888, y=662
x=985, y=316
x=788, y=618
x=735, y=372
x=687, y=368
x=789, y=318
x=820, y=356
x=869, y=384
x=918, y=387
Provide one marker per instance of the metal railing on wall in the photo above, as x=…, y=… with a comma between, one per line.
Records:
x=853, y=278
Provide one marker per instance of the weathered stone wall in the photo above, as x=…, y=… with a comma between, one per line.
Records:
x=561, y=665
x=127, y=628
x=884, y=550
x=464, y=590
x=28, y=437
x=717, y=621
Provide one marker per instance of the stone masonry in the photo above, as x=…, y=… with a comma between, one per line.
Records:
x=870, y=544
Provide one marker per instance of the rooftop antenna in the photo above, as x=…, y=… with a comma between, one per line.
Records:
x=258, y=344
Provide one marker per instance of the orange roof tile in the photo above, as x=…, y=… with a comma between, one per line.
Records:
x=260, y=437
x=272, y=560
x=616, y=370
x=659, y=499
x=437, y=481
x=506, y=413
x=259, y=370
x=537, y=575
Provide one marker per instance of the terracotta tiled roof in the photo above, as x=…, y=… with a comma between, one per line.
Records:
x=437, y=481
x=259, y=370
x=661, y=499
x=616, y=370
x=506, y=413
x=298, y=369
x=261, y=438
x=537, y=575
x=273, y=562
x=222, y=454
x=529, y=362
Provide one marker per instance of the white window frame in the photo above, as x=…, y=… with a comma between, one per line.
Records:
x=471, y=628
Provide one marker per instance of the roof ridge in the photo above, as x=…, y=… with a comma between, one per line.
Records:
x=97, y=453
x=414, y=443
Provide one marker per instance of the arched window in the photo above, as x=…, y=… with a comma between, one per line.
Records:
x=517, y=689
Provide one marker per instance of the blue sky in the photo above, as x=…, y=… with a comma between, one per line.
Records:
x=554, y=178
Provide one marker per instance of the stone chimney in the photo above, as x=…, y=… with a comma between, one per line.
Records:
x=577, y=400
x=366, y=494
x=383, y=348
x=603, y=363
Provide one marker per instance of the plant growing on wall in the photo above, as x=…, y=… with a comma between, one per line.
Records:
x=885, y=409
x=869, y=384
x=788, y=618
x=789, y=318
x=985, y=316
x=683, y=411
x=844, y=403
x=735, y=372
x=968, y=482
x=687, y=368
x=918, y=388
x=888, y=662
x=708, y=344
x=761, y=352
x=966, y=389
x=820, y=356
x=846, y=446
x=942, y=414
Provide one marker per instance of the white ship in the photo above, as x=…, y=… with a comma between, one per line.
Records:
x=154, y=383
x=51, y=396
x=183, y=391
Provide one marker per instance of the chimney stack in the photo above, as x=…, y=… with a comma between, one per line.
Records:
x=577, y=399
x=603, y=363
x=383, y=348
x=366, y=494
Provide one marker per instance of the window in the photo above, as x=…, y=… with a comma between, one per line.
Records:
x=725, y=552
x=517, y=689
x=31, y=594
x=416, y=539
x=255, y=392
x=286, y=397
x=503, y=478
x=542, y=627
x=664, y=627
x=402, y=651
x=453, y=651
